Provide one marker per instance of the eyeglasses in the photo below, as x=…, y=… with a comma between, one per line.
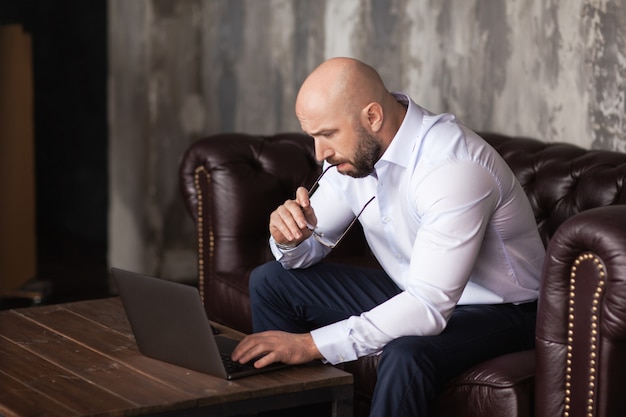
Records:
x=319, y=236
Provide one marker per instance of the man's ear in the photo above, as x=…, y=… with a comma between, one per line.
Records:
x=373, y=116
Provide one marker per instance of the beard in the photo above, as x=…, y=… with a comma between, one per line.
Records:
x=366, y=155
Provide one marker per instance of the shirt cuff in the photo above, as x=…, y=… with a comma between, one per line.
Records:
x=278, y=252
x=334, y=342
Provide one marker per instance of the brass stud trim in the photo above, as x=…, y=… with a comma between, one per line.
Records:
x=593, y=332
x=200, y=227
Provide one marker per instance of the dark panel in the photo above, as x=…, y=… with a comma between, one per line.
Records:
x=70, y=64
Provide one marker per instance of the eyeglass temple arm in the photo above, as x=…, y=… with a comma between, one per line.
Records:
x=316, y=184
x=345, y=232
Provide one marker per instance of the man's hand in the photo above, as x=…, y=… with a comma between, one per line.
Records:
x=288, y=223
x=276, y=346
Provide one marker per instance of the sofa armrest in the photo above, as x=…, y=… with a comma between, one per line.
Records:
x=230, y=183
x=581, y=320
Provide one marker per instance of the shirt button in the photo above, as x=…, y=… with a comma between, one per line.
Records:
x=398, y=256
x=386, y=219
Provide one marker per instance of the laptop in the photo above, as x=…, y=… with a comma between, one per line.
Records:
x=170, y=324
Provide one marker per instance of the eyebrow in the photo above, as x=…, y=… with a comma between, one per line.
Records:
x=319, y=132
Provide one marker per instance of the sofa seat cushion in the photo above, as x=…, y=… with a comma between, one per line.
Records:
x=503, y=386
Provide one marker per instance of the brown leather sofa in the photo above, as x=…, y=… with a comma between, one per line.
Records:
x=231, y=182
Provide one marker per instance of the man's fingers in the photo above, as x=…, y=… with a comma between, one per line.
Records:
x=274, y=346
x=280, y=224
x=243, y=349
x=295, y=213
x=266, y=360
x=302, y=197
x=291, y=219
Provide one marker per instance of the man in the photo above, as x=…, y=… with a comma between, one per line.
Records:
x=444, y=216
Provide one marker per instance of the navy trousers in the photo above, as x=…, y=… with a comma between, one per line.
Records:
x=412, y=369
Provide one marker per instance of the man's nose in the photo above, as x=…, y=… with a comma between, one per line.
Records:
x=322, y=151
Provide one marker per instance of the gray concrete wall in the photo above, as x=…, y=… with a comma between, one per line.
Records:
x=183, y=69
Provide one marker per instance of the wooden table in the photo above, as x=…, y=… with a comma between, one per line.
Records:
x=80, y=359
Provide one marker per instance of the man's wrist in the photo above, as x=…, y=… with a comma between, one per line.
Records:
x=313, y=352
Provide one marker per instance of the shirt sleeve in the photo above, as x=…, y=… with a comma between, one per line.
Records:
x=453, y=205
x=307, y=253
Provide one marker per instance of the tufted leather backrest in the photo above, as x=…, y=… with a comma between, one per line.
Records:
x=562, y=179
x=232, y=182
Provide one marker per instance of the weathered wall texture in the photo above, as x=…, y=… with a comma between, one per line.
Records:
x=182, y=69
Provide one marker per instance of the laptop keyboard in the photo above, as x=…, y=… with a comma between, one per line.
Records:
x=232, y=366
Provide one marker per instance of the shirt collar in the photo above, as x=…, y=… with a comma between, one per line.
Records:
x=405, y=141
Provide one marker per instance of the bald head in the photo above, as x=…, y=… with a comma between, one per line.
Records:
x=342, y=83
x=344, y=106
x=348, y=90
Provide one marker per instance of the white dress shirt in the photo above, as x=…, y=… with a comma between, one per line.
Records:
x=450, y=225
